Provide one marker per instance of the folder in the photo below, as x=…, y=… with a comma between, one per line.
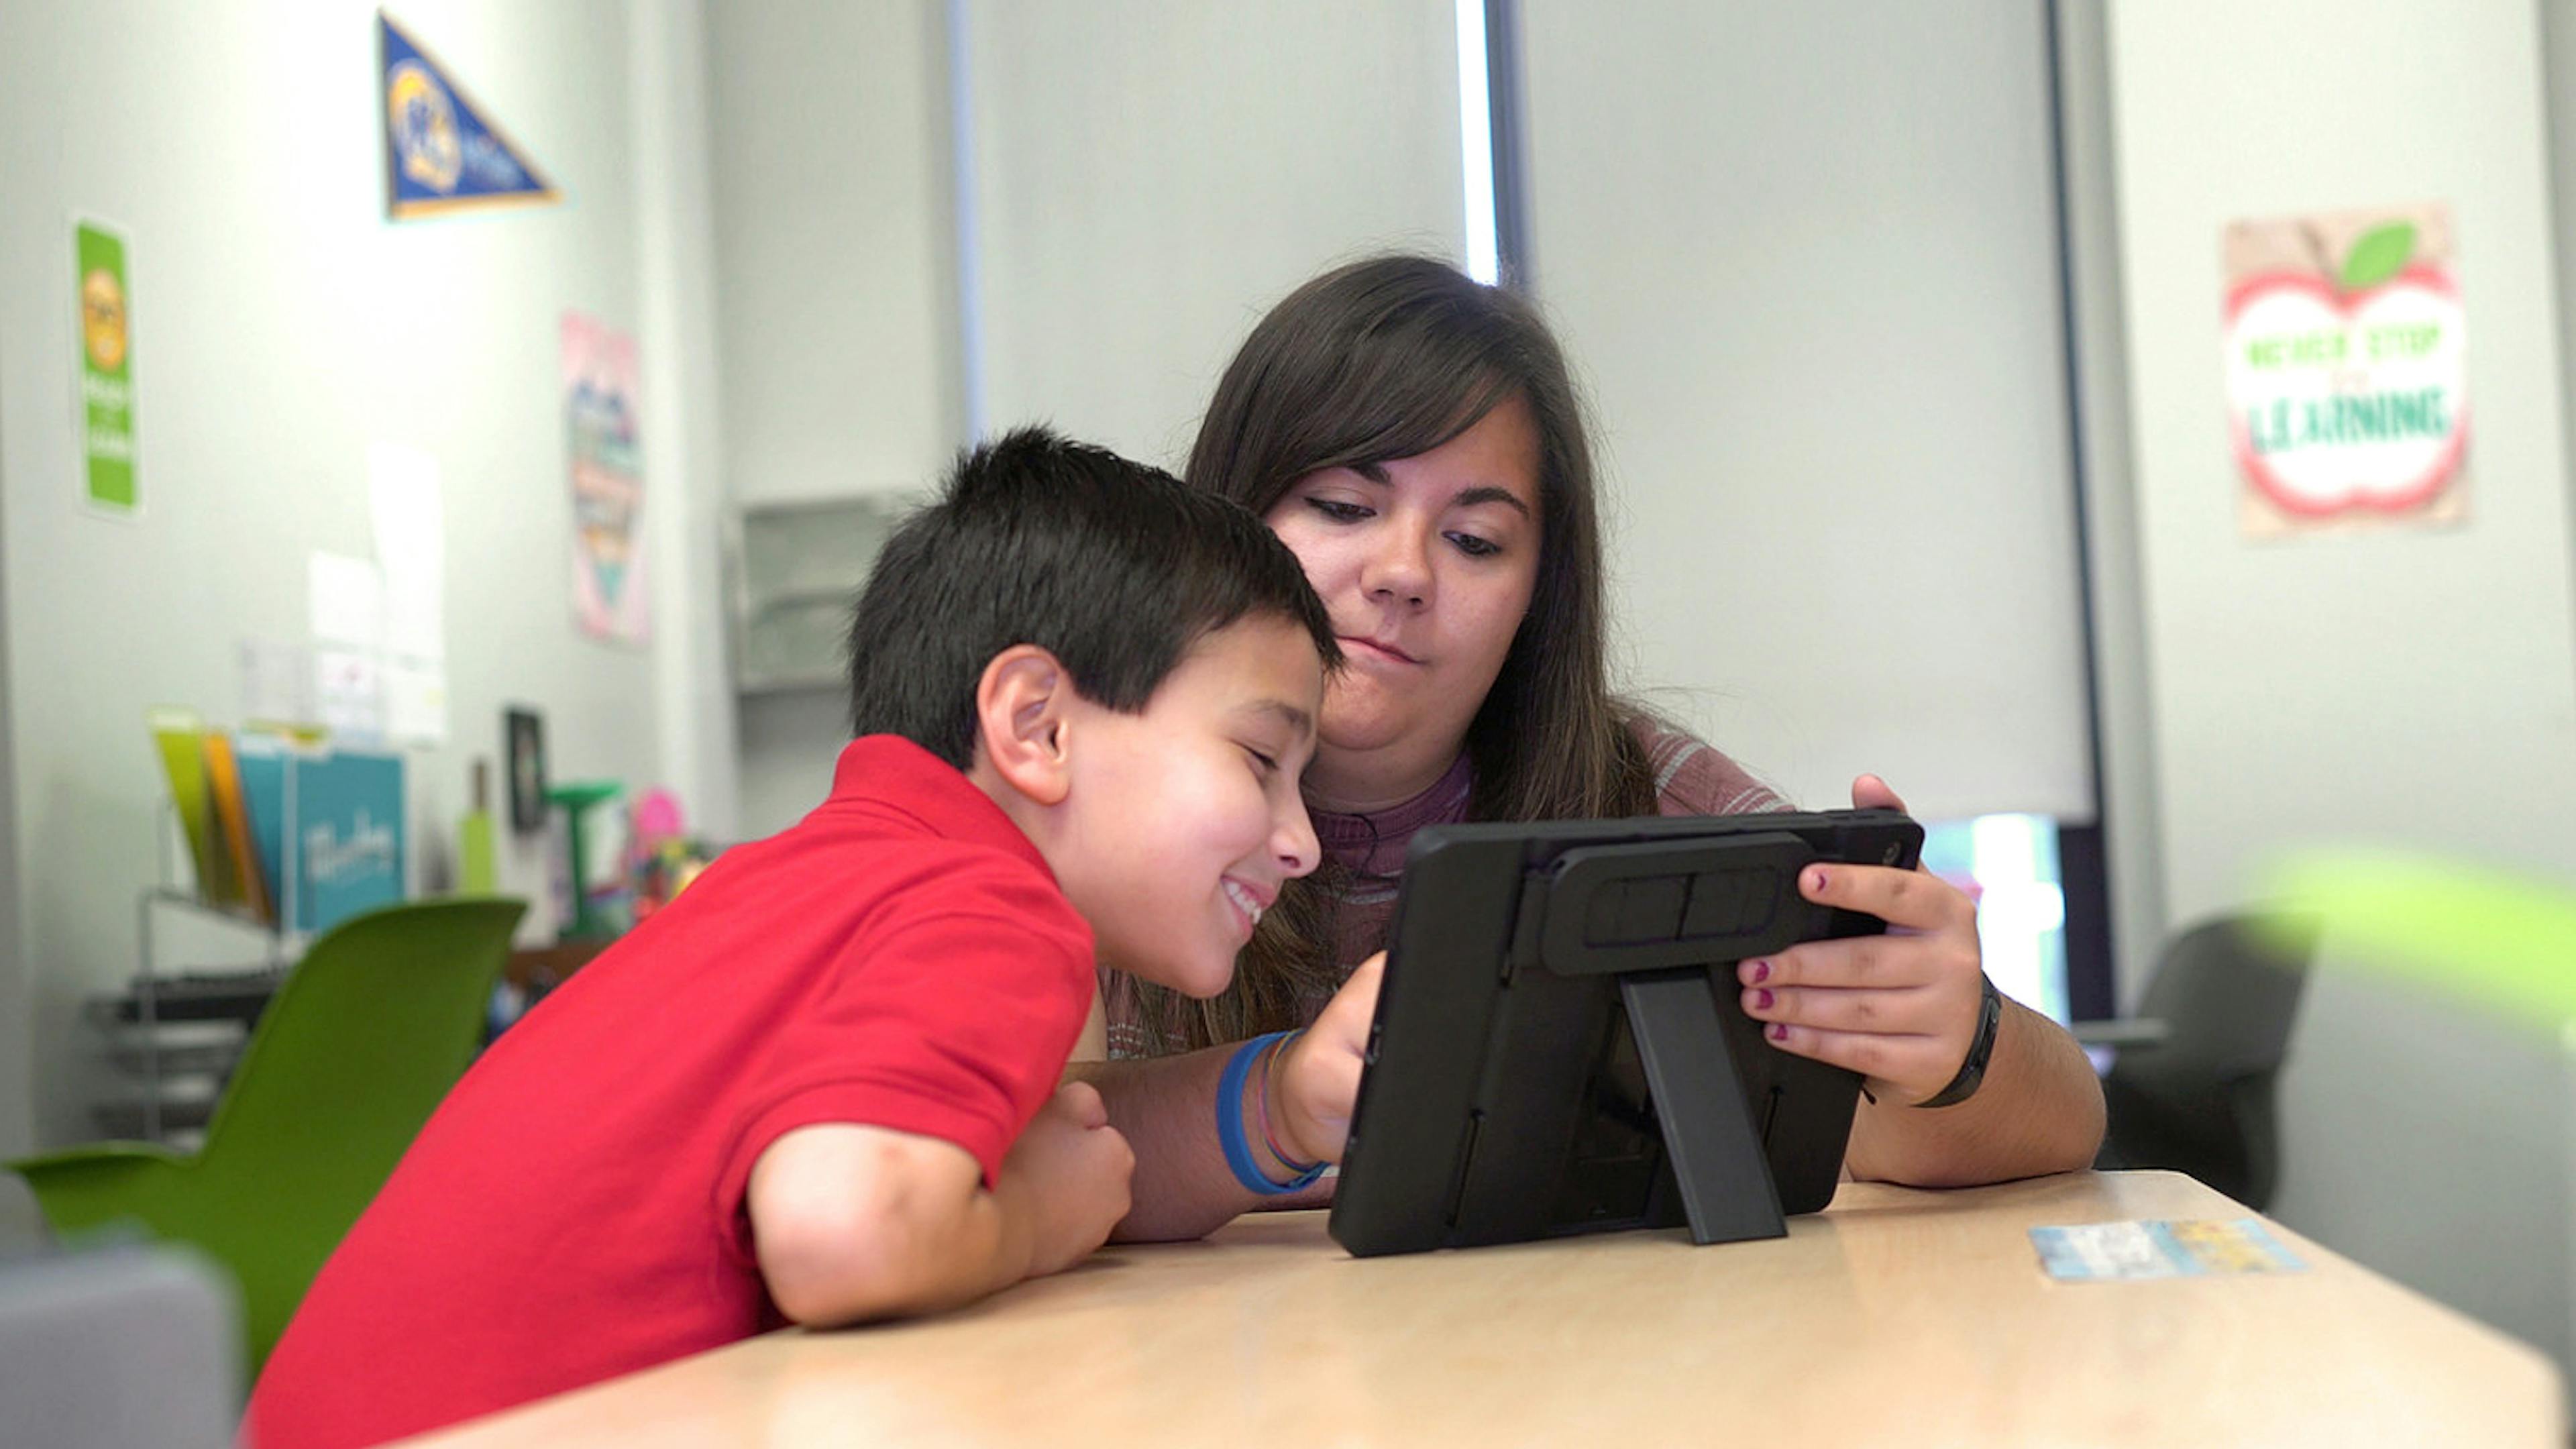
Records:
x=343, y=851
x=180, y=735
x=232, y=818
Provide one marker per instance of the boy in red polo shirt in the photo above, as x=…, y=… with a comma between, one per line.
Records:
x=821, y=1085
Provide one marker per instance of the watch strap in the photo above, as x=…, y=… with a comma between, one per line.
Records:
x=1990, y=1015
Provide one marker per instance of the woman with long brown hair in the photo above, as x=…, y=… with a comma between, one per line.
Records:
x=1415, y=438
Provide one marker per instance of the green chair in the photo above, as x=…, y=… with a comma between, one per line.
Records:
x=363, y=1040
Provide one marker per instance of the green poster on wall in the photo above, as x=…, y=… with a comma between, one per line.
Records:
x=107, y=371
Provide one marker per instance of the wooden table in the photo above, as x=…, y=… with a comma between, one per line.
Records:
x=1895, y=1317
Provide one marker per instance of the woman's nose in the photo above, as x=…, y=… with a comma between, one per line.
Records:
x=1398, y=568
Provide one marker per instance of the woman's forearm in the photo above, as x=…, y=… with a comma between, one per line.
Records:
x=2038, y=1111
x=1166, y=1107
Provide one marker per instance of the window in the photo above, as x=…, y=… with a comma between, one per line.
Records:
x=2008, y=865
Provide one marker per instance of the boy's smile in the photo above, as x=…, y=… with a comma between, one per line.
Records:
x=1250, y=902
x=1183, y=820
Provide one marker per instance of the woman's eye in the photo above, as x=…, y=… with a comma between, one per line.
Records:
x=1474, y=547
x=1337, y=510
x=1268, y=764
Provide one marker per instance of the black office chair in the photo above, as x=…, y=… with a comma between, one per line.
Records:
x=2191, y=1086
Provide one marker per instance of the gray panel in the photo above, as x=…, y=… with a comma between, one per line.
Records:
x=111, y=1349
x=2430, y=1141
x=1808, y=256
x=1149, y=175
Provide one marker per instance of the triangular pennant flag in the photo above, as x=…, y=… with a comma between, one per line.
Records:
x=441, y=153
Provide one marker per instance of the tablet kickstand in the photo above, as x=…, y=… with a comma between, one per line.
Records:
x=1708, y=1132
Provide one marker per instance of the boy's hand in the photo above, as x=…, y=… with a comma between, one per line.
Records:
x=1901, y=1008
x=1319, y=1082
x=1067, y=1178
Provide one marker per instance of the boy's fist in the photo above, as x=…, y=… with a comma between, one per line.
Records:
x=1070, y=1172
x=1318, y=1083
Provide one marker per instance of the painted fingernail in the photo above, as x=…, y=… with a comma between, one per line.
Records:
x=1777, y=1031
x=1762, y=999
x=1761, y=971
x=1816, y=879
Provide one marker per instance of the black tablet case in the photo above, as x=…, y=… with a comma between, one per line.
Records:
x=1507, y=1094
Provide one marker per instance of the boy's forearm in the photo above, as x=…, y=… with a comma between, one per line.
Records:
x=1166, y=1106
x=980, y=1251
x=910, y=1242
x=2038, y=1111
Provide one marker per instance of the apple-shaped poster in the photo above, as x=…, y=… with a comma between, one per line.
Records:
x=2347, y=374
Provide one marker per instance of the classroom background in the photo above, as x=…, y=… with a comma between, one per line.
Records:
x=544, y=438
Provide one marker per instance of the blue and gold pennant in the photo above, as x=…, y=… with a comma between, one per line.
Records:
x=441, y=153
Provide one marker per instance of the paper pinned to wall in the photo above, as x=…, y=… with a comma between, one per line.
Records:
x=349, y=692
x=277, y=681
x=107, y=372
x=2347, y=370
x=404, y=497
x=601, y=385
x=348, y=601
x=415, y=696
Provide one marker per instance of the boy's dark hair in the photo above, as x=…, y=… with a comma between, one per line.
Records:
x=1113, y=567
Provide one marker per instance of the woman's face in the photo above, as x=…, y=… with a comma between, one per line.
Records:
x=1426, y=565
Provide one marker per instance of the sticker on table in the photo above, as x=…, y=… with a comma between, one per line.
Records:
x=2098, y=1252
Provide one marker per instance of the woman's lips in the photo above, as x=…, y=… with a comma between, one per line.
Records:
x=1370, y=648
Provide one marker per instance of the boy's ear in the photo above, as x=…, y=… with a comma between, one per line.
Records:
x=1021, y=705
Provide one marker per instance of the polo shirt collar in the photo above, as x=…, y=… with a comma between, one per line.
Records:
x=889, y=772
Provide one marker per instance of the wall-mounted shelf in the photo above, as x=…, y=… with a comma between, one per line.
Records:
x=793, y=570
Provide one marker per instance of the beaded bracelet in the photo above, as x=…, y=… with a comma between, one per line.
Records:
x=1229, y=1124
x=1261, y=1099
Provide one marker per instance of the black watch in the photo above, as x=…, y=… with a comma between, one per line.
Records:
x=1990, y=1015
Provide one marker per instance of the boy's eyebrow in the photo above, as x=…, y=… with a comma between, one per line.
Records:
x=1289, y=714
x=1464, y=498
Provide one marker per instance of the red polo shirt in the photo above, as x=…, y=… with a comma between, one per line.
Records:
x=575, y=1208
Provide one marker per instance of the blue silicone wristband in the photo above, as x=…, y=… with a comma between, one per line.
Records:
x=1229, y=1124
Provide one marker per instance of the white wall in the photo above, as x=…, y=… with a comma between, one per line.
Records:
x=837, y=301
x=683, y=437
x=281, y=326
x=2394, y=684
